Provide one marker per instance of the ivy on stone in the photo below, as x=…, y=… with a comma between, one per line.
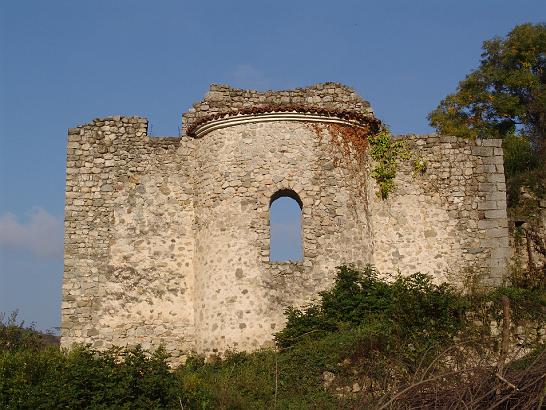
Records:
x=386, y=152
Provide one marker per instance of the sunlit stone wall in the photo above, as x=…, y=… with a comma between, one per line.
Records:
x=167, y=239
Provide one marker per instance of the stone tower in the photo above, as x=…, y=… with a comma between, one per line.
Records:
x=167, y=238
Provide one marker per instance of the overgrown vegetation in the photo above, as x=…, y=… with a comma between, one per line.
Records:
x=404, y=342
x=407, y=307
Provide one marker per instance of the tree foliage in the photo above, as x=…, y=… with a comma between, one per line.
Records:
x=505, y=95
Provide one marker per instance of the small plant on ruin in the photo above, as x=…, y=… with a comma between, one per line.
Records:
x=386, y=152
x=419, y=167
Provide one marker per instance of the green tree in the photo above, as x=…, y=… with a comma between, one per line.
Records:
x=505, y=95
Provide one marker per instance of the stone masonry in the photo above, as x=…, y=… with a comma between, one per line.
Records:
x=167, y=238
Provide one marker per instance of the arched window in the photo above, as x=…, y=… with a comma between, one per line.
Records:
x=285, y=227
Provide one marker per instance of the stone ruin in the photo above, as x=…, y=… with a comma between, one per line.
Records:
x=167, y=238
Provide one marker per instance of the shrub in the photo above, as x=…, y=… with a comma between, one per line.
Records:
x=410, y=306
x=119, y=378
x=14, y=336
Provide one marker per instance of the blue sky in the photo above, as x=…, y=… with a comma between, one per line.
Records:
x=285, y=243
x=65, y=62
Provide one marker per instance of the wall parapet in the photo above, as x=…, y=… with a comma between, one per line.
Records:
x=327, y=99
x=207, y=124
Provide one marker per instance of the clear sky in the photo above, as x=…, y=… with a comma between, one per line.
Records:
x=65, y=62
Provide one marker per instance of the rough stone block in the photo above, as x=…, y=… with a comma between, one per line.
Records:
x=490, y=168
x=496, y=178
x=491, y=143
x=493, y=243
x=496, y=232
x=489, y=223
x=482, y=151
x=495, y=196
x=501, y=253
x=496, y=214
x=486, y=187
x=447, y=139
x=486, y=205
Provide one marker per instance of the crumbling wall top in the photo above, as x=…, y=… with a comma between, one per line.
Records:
x=332, y=99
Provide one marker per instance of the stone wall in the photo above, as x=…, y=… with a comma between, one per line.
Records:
x=128, y=237
x=167, y=239
x=240, y=295
x=449, y=221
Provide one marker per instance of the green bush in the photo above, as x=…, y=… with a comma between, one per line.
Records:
x=410, y=306
x=364, y=328
x=265, y=379
x=14, y=336
x=525, y=304
x=50, y=378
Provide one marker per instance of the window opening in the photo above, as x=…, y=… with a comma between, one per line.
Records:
x=285, y=227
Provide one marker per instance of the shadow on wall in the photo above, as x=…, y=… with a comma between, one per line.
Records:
x=285, y=227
